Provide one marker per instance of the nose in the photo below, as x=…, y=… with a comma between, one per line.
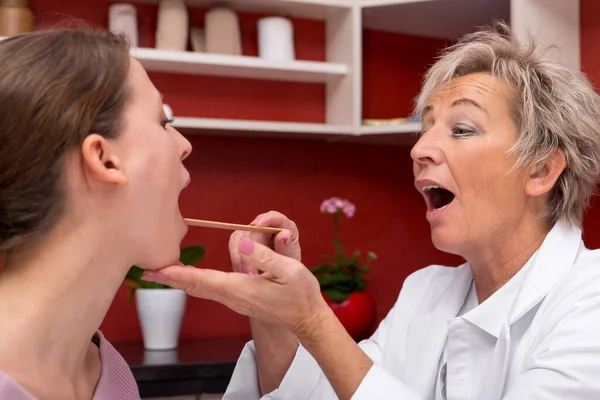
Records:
x=427, y=150
x=184, y=145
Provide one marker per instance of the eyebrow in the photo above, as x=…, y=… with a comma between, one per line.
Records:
x=459, y=102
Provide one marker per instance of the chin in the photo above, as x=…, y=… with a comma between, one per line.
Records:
x=166, y=259
x=446, y=240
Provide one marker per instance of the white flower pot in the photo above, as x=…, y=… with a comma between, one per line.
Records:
x=160, y=312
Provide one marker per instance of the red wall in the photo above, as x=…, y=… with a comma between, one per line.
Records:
x=235, y=179
x=590, y=64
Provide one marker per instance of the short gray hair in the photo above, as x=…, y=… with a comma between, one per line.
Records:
x=554, y=107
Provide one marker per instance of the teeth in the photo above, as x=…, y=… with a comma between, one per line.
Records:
x=429, y=187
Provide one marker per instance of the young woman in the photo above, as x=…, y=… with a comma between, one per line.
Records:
x=90, y=176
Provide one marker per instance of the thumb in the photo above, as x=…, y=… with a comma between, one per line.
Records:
x=255, y=255
x=203, y=283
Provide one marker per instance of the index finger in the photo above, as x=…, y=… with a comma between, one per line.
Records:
x=197, y=282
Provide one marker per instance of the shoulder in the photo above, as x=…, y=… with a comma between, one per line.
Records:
x=576, y=297
x=583, y=279
x=427, y=285
x=433, y=278
x=10, y=389
x=116, y=377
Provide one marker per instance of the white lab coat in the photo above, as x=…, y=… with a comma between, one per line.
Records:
x=548, y=349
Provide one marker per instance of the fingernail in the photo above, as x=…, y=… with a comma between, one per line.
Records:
x=239, y=267
x=288, y=240
x=154, y=277
x=247, y=246
x=256, y=221
x=147, y=278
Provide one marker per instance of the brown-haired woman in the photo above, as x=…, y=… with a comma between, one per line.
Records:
x=90, y=176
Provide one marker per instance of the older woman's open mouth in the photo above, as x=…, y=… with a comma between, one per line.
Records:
x=436, y=196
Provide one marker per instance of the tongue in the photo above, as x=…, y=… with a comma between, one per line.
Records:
x=440, y=197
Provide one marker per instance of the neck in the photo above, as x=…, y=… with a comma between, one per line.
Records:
x=53, y=298
x=499, y=261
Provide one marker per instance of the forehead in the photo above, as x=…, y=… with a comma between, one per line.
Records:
x=482, y=88
x=141, y=85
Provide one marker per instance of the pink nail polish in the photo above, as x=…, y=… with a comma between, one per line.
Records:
x=160, y=277
x=288, y=240
x=247, y=246
x=256, y=221
x=239, y=267
x=147, y=278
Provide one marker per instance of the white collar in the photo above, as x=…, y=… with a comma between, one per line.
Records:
x=530, y=285
x=491, y=315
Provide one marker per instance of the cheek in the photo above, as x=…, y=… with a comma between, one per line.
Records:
x=485, y=179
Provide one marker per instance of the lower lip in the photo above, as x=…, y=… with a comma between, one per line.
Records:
x=432, y=215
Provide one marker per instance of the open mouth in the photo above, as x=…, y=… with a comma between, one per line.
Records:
x=437, y=197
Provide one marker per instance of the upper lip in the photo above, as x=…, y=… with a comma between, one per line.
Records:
x=422, y=184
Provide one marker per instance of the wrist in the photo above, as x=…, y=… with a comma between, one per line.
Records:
x=316, y=325
x=261, y=327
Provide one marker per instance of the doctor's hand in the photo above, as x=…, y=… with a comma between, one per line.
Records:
x=286, y=242
x=285, y=294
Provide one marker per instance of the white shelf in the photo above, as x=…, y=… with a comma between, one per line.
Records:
x=260, y=128
x=311, y=9
x=187, y=62
x=408, y=127
x=395, y=134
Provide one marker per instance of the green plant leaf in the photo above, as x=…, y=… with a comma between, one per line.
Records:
x=336, y=295
x=135, y=273
x=335, y=278
x=360, y=284
x=153, y=285
x=131, y=295
x=132, y=283
x=319, y=269
x=192, y=255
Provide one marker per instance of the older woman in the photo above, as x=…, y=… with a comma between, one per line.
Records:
x=507, y=160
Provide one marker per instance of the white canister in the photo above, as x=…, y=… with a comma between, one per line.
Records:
x=160, y=312
x=122, y=19
x=173, y=25
x=276, y=39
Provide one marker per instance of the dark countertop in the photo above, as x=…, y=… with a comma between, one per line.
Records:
x=196, y=367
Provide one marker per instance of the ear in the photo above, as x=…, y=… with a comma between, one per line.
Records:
x=100, y=160
x=542, y=180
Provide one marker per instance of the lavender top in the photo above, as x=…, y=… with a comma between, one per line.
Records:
x=116, y=380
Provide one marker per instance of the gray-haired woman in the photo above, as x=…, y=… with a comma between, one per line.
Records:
x=507, y=160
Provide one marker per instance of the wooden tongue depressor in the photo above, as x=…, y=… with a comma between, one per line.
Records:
x=232, y=227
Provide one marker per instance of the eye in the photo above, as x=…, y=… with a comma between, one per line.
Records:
x=461, y=131
x=164, y=122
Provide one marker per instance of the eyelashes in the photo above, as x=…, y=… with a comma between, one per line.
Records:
x=458, y=131
x=166, y=122
x=461, y=131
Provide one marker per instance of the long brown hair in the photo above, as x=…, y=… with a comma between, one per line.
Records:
x=56, y=87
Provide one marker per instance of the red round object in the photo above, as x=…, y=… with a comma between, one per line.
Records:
x=356, y=314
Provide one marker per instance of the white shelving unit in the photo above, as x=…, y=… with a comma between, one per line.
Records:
x=187, y=62
x=234, y=127
x=556, y=21
x=407, y=127
x=253, y=127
